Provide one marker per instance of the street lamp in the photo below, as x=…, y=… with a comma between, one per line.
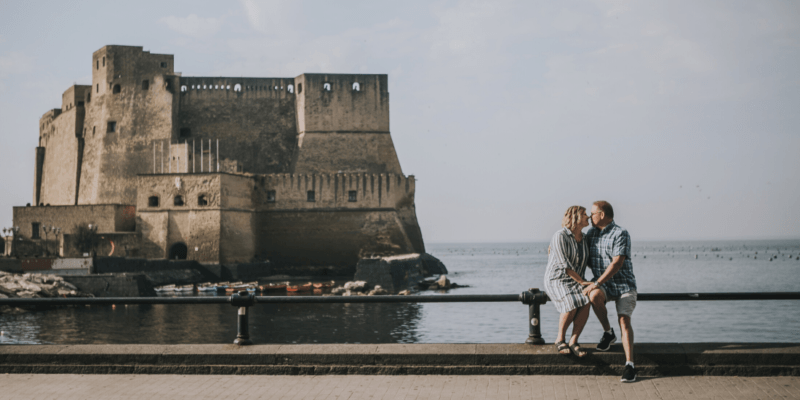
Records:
x=46, y=229
x=57, y=231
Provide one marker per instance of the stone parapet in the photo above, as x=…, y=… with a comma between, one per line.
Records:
x=652, y=359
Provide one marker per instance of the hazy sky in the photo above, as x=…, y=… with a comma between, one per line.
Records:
x=685, y=115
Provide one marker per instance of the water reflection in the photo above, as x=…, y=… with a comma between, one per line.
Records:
x=214, y=323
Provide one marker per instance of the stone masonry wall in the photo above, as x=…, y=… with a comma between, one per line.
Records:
x=253, y=119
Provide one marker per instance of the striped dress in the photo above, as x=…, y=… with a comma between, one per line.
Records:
x=565, y=252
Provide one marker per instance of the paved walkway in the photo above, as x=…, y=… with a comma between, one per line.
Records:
x=352, y=387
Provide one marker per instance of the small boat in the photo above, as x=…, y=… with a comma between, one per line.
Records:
x=273, y=287
x=299, y=288
x=232, y=287
x=165, y=288
x=185, y=288
x=221, y=287
x=206, y=287
x=323, y=285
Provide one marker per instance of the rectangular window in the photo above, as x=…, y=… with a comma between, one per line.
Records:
x=145, y=84
x=104, y=61
x=35, y=230
x=80, y=104
x=98, y=64
x=352, y=196
x=311, y=196
x=270, y=196
x=112, y=126
x=163, y=65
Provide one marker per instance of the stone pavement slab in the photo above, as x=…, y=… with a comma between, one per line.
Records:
x=375, y=387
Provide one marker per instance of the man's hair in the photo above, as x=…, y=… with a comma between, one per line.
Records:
x=572, y=216
x=605, y=207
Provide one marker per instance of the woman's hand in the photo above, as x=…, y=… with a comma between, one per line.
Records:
x=586, y=283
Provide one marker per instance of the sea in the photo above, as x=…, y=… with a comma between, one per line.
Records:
x=485, y=268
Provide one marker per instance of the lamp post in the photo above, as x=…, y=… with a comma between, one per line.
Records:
x=57, y=232
x=46, y=230
x=6, y=231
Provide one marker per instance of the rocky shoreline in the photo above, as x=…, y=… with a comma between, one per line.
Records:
x=31, y=285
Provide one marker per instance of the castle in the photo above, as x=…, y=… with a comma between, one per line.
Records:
x=298, y=171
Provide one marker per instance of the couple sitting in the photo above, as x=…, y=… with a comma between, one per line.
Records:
x=606, y=249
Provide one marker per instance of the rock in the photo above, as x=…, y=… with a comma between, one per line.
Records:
x=404, y=292
x=433, y=286
x=443, y=282
x=356, y=286
x=432, y=266
x=398, y=272
x=338, y=290
x=377, y=291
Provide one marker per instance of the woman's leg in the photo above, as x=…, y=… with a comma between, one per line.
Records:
x=581, y=316
x=563, y=323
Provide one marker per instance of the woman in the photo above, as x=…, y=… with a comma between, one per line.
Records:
x=563, y=279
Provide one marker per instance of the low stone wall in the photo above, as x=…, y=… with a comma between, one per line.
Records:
x=114, y=285
x=400, y=272
x=652, y=359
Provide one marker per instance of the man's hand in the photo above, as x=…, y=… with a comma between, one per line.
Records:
x=588, y=288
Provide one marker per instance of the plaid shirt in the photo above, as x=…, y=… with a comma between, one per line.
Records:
x=604, y=245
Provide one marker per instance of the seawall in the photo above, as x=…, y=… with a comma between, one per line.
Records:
x=652, y=359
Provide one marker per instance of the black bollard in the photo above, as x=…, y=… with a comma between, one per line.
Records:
x=534, y=298
x=243, y=300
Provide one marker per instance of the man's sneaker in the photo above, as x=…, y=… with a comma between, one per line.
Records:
x=607, y=340
x=629, y=375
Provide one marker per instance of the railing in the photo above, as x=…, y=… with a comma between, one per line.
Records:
x=243, y=300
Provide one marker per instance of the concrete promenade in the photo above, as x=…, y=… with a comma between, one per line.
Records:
x=407, y=387
x=652, y=359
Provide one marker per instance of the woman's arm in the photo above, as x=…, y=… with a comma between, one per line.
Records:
x=574, y=275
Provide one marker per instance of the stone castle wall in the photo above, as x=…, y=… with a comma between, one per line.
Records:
x=266, y=168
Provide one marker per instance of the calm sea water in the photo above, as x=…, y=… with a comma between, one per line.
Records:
x=495, y=268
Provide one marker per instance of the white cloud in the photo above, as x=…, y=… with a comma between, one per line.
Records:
x=193, y=26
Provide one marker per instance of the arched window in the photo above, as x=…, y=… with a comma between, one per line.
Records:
x=116, y=89
x=202, y=200
x=152, y=201
x=237, y=88
x=326, y=87
x=228, y=87
x=356, y=87
x=183, y=88
x=290, y=88
x=178, y=201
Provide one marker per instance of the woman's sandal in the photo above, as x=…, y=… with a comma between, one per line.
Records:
x=577, y=351
x=561, y=346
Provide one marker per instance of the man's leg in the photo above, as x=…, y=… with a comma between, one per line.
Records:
x=598, y=300
x=626, y=329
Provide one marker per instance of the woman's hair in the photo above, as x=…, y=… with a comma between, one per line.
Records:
x=572, y=216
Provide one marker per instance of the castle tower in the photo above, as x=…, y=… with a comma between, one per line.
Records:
x=343, y=125
x=130, y=106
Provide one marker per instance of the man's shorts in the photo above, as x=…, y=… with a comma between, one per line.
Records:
x=625, y=302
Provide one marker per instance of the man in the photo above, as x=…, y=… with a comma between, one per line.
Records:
x=610, y=261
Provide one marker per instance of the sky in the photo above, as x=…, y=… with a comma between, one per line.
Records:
x=684, y=115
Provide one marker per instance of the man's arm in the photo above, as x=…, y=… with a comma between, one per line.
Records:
x=613, y=268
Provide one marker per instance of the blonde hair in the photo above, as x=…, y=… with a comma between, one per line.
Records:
x=572, y=216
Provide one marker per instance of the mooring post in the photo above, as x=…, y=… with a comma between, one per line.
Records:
x=533, y=298
x=243, y=300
